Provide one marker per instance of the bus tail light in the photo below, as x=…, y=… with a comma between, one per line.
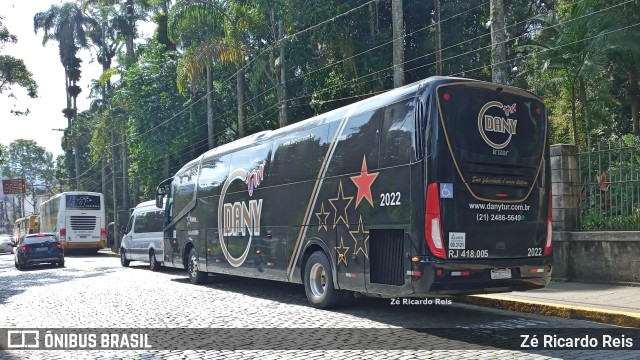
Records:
x=103, y=232
x=548, y=245
x=63, y=233
x=432, y=224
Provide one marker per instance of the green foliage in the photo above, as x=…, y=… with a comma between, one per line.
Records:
x=13, y=71
x=26, y=159
x=149, y=97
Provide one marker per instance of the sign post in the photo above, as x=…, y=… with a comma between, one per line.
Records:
x=14, y=186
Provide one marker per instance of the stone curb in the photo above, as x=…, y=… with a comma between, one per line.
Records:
x=108, y=252
x=612, y=317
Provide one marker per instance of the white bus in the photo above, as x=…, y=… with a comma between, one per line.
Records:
x=77, y=217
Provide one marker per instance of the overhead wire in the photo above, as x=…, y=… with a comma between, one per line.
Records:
x=175, y=156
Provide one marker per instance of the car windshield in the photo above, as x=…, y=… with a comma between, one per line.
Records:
x=39, y=239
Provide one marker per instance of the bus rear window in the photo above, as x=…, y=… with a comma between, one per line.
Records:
x=489, y=126
x=86, y=202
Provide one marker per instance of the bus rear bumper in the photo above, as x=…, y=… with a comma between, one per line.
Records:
x=481, y=277
x=83, y=245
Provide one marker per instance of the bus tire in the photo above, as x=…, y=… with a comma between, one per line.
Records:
x=318, y=282
x=154, y=264
x=196, y=276
x=123, y=259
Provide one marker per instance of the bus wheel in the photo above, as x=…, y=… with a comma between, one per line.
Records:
x=318, y=282
x=196, y=276
x=123, y=259
x=154, y=265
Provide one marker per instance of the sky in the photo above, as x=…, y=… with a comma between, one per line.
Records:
x=44, y=63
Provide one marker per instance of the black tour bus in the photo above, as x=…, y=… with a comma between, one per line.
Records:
x=441, y=187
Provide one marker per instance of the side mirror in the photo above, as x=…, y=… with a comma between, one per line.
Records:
x=159, y=198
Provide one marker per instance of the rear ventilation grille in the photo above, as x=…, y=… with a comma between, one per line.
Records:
x=385, y=256
x=83, y=222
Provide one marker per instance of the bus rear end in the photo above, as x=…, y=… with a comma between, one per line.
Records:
x=83, y=221
x=488, y=199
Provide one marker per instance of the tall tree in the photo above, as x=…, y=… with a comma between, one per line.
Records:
x=67, y=25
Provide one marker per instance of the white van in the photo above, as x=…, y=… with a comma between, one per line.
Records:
x=143, y=235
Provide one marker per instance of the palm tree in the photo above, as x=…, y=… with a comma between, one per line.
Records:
x=220, y=43
x=67, y=25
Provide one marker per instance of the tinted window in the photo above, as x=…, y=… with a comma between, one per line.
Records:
x=213, y=173
x=396, y=145
x=358, y=140
x=140, y=222
x=485, y=125
x=183, y=187
x=38, y=239
x=128, y=228
x=91, y=202
x=298, y=156
x=153, y=222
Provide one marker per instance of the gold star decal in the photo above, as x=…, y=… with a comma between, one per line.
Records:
x=360, y=238
x=342, y=252
x=322, y=218
x=340, y=202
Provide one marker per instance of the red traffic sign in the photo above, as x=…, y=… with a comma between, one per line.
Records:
x=14, y=186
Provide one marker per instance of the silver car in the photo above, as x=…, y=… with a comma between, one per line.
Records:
x=6, y=245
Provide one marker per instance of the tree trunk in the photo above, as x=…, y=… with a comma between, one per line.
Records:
x=130, y=13
x=582, y=97
x=210, y=125
x=116, y=228
x=125, y=171
x=103, y=177
x=573, y=113
x=498, y=43
x=398, y=42
x=634, y=93
x=372, y=23
x=283, y=78
x=136, y=190
x=76, y=159
x=241, y=93
x=438, y=37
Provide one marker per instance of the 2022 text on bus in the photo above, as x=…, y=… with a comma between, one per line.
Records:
x=438, y=187
x=77, y=218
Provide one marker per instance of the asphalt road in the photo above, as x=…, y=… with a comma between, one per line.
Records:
x=247, y=318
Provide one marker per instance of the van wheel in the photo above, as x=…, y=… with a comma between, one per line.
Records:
x=197, y=277
x=318, y=282
x=154, y=265
x=123, y=259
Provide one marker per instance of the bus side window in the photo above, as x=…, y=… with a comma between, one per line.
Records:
x=358, y=140
x=298, y=156
x=396, y=143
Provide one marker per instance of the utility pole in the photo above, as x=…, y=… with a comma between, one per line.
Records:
x=498, y=43
x=397, y=17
